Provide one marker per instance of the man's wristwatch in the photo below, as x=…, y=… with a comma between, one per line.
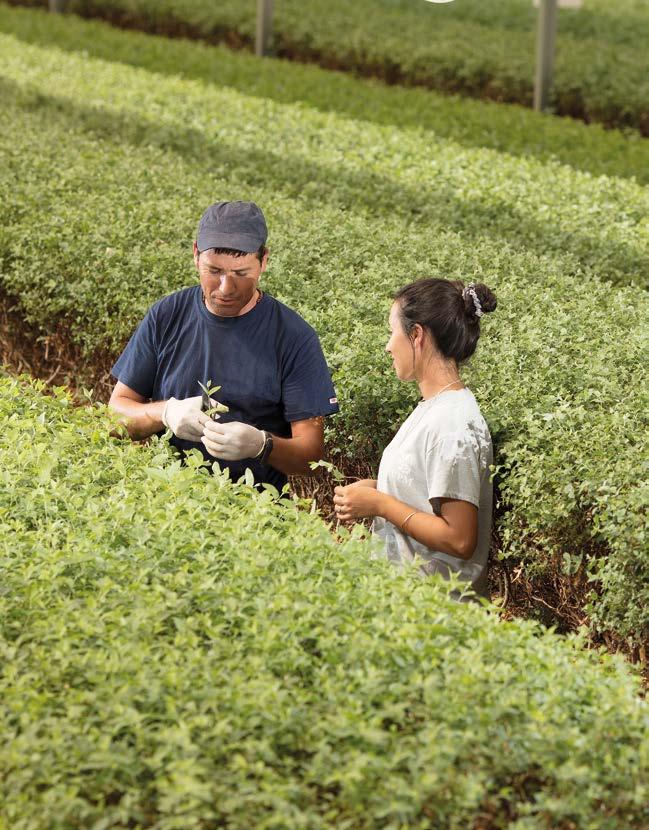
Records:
x=267, y=448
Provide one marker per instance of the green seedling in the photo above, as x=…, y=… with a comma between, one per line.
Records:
x=335, y=473
x=208, y=406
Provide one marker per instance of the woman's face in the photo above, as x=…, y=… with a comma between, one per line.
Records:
x=400, y=347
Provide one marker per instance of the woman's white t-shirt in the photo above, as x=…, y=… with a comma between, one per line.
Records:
x=443, y=450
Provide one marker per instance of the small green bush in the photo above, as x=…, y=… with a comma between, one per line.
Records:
x=97, y=222
x=178, y=652
x=473, y=48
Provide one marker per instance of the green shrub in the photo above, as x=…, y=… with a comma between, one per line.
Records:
x=472, y=123
x=97, y=222
x=171, y=658
x=474, y=48
x=408, y=174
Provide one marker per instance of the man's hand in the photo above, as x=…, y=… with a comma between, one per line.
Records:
x=232, y=441
x=356, y=501
x=185, y=418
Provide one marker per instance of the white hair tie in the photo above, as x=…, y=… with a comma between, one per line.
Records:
x=470, y=290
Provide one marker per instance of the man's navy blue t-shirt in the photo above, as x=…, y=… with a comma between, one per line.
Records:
x=268, y=363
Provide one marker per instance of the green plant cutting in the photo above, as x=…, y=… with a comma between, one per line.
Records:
x=209, y=406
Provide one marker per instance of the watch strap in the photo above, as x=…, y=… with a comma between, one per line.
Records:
x=267, y=448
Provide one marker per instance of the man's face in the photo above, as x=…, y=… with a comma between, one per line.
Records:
x=229, y=283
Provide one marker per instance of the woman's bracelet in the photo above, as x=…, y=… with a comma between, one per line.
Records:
x=407, y=519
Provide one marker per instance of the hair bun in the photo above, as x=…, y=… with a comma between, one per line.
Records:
x=478, y=300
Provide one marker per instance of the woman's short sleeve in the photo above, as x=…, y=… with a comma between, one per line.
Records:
x=453, y=469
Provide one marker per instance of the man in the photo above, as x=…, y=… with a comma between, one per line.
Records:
x=265, y=357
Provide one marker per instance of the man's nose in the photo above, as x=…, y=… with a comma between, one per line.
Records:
x=227, y=285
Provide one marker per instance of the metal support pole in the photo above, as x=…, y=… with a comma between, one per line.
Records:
x=546, y=36
x=264, y=26
x=56, y=5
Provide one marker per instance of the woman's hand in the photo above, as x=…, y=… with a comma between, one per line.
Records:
x=364, y=482
x=356, y=501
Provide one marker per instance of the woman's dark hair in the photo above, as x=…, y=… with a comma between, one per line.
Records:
x=448, y=310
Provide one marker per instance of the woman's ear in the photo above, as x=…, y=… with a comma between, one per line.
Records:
x=417, y=335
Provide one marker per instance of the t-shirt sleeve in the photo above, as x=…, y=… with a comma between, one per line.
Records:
x=307, y=388
x=138, y=364
x=453, y=469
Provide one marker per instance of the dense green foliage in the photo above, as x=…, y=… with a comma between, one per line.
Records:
x=472, y=47
x=97, y=222
x=170, y=659
x=472, y=123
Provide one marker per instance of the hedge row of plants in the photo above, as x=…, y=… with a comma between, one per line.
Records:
x=170, y=659
x=474, y=48
x=405, y=173
x=109, y=167
x=470, y=123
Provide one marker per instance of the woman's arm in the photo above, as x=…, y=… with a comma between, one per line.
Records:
x=455, y=531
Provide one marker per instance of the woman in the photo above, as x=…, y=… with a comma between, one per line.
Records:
x=432, y=501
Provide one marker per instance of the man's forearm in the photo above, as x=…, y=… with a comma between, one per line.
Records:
x=292, y=456
x=140, y=419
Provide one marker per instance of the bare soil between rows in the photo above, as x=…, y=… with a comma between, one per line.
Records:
x=552, y=599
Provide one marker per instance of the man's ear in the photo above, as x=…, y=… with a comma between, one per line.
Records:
x=196, y=255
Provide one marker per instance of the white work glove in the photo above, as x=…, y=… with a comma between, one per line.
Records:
x=232, y=441
x=185, y=418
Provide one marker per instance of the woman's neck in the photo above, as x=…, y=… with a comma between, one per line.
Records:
x=439, y=377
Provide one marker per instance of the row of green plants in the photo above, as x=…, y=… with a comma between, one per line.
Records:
x=470, y=123
x=470, y=47
x=170, y=659
x=108, y=168
x=547, y=208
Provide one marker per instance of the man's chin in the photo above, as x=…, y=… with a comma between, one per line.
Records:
x=233, y=308
x=224, y=309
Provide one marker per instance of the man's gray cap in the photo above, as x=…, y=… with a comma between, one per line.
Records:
x=237, y=225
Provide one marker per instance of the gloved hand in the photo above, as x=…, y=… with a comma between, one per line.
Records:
x=185, y=418
x=232, y=441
